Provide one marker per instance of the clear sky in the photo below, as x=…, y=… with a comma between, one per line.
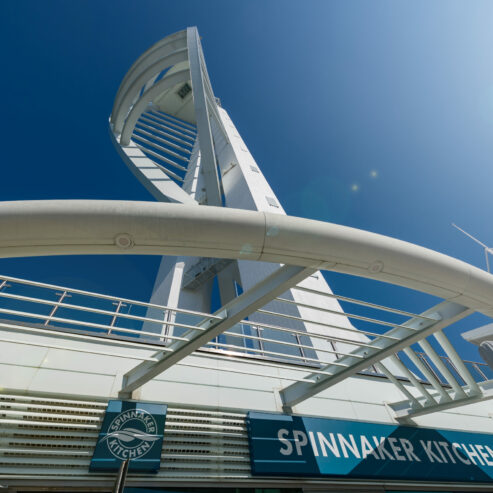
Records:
x=376, y=115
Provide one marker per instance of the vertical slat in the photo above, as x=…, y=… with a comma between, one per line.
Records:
x=419, y=386
x=436, y=360
x=457, y=362
x=385, y=371
x=427, y=373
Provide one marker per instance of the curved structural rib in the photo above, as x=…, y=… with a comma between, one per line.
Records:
x=65, y=227
x=166, y=102
x=163, y=48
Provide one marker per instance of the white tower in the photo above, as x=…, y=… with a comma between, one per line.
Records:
x=176, y=138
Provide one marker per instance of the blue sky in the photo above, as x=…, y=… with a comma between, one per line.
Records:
x=376, y=115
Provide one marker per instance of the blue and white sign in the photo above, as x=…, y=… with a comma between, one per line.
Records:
x=283, y=445
x=130, y=430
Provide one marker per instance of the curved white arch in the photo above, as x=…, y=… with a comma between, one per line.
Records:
x=70, y=227
x=139, y=107
x=162, y=48
x=136, y=84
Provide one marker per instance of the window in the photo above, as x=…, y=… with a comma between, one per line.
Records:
x=184, y=90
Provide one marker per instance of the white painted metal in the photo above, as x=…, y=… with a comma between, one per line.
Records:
x=156, y=126
x=151, y=175
x=450, y=379
x=208, y=157
x=164, y=141
x=359, y=302
x=403, y=410
x=448, y=286
x=171, y=229
x=159, y=50
x=165, y=118
x=168, y=82
x=427, y=400
x=131, y=92
x=416, y=329
x=430, y=377
x=231, y=313
x=90, y=294
x=162, y=152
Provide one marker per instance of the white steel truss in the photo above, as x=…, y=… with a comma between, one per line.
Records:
x=230, y=314
x=381, y=347
x=445, y=381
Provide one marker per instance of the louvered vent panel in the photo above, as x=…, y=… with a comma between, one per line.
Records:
x=56, y=437
x=205, y=444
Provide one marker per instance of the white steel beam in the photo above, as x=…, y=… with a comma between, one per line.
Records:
x=156, y=126
x=207, y=154
x=159, y=50
x=428, y=374
x=403, y=370
x=442, y=368
x=385, y=371
x=457, y=395
x=140, y=106
x=164, y=117
x=232, y=313
x=160, y=139
x=403, y=410
x=54, y=227
x=182, y=123
x=457, y=361
x=162, y=150
x=408, y=333
x=133, y=89
x=154, y=178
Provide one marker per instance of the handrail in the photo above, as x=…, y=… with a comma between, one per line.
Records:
x=69, y=227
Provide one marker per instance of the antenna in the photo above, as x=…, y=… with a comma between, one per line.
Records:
x=486, y=249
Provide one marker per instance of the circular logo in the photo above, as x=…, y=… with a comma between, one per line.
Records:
x=131, y=434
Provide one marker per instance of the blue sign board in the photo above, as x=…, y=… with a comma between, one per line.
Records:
x=282, y=445
x=130, y=430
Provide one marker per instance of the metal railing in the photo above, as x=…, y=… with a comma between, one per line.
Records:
x=480, y=371
x=127, y=323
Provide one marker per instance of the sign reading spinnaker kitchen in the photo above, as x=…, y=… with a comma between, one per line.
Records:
x=130, y=430
x=283, y=445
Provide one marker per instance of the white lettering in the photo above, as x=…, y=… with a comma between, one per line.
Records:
x=380, y=443
x=367, y=449
x=298, y=444
x=409, y=450
x=395, y=448
x=332, y=444
x=437, y=445
x=445, y=446
x=289, y=448
x=489, y=451
x=313, y=443
x=346, y=445
x=484, y=455
x=456, y=446
x=427, y=448
x=472, y=453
